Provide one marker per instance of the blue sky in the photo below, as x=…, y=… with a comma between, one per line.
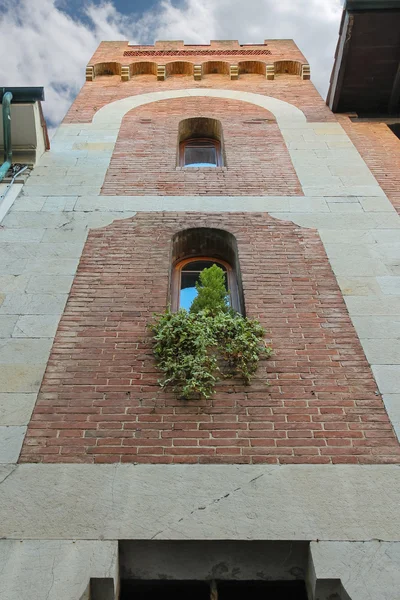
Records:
x=49, y=42
x=126, y=7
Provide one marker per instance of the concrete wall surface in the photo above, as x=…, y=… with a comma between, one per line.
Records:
x=366, y=571
x=200, y=502
x=54, y=570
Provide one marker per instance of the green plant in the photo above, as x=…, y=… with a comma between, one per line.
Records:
x=196, y=349
x=212, y=294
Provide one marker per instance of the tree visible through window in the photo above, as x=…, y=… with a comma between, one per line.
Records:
x=187, y=274
x=196, y=249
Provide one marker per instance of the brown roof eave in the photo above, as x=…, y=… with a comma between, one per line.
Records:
x=339, y=67
x=371, y=4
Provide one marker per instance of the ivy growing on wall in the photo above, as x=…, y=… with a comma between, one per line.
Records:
x=195, y=349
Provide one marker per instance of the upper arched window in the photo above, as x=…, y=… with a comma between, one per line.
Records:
x=200, y=143
x=197, y=249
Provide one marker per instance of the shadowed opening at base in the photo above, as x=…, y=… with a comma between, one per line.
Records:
x=221, y=590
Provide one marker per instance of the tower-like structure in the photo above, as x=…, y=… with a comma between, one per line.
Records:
x=174, y=157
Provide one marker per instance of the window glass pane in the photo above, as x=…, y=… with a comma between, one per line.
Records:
x=200, y=156
x=188, y=289
x=188, y=281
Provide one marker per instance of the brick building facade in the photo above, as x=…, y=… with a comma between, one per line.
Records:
x=292, y=479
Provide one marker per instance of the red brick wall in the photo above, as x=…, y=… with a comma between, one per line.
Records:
x=100, y=402
x=289, y=88
x=144, y=161
x=380, y=149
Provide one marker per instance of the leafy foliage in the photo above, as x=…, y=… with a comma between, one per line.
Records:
x=212, y=294
x=195, y=349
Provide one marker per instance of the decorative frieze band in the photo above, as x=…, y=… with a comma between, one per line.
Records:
x=197, y=52
x=126, y=71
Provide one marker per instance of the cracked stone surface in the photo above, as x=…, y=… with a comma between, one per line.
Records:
x=54, y=569
x=367, y=571
x=293, y=502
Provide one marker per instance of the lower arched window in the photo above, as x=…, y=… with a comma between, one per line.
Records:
x=194, y=250
x=187, y=274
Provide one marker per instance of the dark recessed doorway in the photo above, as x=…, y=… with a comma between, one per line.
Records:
x=219, y=590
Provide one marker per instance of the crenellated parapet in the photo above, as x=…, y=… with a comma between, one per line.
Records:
x=171, y=58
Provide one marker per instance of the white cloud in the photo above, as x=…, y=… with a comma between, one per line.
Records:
x=41, y=45
x=313, y=24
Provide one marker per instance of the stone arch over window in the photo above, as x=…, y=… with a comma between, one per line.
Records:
x=216, y=67
x=252, y=67
x=288, y=67
x=202, y=136
x=143, y=68
x=179, y=68
x=283, y=111
x=107, y=68
x=202, y=247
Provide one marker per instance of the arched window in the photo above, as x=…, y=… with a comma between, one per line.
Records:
x=200, y=143
x=195, y=250
x=187, y=274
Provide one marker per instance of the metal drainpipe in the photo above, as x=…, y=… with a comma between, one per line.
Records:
x=6, y=134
